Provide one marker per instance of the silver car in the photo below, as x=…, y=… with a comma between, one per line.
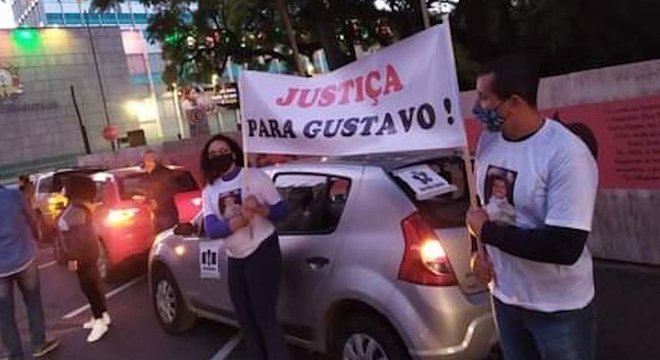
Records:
x=376, y=262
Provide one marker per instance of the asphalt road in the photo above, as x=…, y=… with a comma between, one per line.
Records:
x=627, y=312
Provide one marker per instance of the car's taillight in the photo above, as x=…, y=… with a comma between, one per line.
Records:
x=197, y=201
x=425, y=261
x=121, y=217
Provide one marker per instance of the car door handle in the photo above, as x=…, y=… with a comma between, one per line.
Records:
x=317, y=263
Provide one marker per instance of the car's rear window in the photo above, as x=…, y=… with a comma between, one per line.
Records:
x=185, y=182
x=137, y=184
x=56, y=182
x=448, y=207
x=133, y=185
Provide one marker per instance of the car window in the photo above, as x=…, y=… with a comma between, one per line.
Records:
x=133, y=185
x=101, y=188
x=315, y=202
x=185, y=182
x=45, y=185
x=448, y=209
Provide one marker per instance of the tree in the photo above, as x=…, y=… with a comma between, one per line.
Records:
x=564, y=35
x=197, y=38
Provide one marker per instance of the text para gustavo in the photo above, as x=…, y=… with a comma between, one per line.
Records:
x=403, y=121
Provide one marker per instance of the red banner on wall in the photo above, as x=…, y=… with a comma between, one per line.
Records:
x=628, y=136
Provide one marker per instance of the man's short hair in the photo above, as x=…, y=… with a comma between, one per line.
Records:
x=514, y=74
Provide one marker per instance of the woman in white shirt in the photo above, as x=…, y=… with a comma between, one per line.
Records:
x=241, y=205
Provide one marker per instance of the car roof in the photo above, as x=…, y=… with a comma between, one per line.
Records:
x=388, y=161
x=130, y=170
x=73, y=170
x=120, y=172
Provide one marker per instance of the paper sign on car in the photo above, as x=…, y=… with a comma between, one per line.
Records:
x=425, y=182
x=209, y=260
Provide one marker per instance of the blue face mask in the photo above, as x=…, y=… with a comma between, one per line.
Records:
x=490, y=117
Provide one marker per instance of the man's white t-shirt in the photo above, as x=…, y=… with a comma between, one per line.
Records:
x=224, y=199
x=552, y=180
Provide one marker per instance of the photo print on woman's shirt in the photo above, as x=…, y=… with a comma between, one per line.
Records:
x=498, y=191
x=230, y=204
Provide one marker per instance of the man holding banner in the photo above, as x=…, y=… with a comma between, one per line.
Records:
x=543, y=273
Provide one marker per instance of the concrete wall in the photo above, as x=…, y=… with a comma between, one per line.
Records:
x=41, y=122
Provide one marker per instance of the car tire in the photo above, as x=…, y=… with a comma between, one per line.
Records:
x=169, y=305
x=355, y=335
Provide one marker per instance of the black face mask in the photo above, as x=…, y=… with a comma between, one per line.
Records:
x=221, y=163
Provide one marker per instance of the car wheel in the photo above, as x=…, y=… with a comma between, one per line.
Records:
x=171, y=311
x=367, y=338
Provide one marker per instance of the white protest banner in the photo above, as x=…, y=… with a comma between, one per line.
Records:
x=403, y=97
x=209, y=259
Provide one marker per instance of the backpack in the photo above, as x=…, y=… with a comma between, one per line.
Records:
x=76, y=235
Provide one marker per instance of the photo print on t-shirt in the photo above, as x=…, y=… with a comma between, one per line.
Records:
x=498, y=192
x=230, y=204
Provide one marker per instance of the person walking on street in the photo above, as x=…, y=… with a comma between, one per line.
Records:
x=240, y=205
x=26, y=186
x=161, y=188
x=18, y=266
x=80, y=246
x=542, y=285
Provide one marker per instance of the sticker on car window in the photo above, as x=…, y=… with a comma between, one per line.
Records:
x=209, y=260
x=425, y=182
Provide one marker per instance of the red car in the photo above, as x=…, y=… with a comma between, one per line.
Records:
x=123, y=217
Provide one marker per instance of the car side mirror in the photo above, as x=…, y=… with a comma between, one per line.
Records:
x=185, y=229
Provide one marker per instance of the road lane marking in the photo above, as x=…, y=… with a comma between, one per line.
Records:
x=108, y=295
x=49, y=264
x=229, y=347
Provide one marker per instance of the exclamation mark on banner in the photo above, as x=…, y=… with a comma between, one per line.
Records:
x=447, y=104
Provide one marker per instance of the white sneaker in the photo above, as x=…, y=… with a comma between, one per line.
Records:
x=106, y=319
x=98, y=330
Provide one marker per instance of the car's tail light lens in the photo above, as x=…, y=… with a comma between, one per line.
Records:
x=425, y=261
x=197, y=201
x=121, y=217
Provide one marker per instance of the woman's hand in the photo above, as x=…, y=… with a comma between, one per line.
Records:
x=252, y=206
x=238, y=222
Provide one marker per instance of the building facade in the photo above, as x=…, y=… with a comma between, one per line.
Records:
x=71, y=13
x=44, y=73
